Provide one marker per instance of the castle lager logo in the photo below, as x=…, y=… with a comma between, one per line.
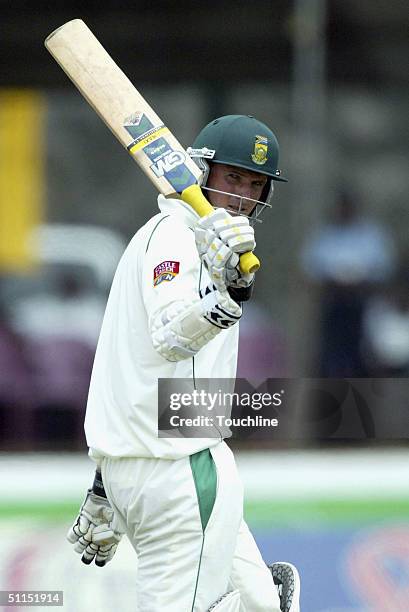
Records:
x=165, y=271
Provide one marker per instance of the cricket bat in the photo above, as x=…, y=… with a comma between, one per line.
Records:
x=130, y=118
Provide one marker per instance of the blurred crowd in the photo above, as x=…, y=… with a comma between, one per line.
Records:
x=361, y=283
x=358, y=283
x=50, y=317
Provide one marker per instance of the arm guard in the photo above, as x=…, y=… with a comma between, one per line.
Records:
x=184, y=327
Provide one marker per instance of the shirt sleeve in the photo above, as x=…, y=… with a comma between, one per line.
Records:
x=171, y=267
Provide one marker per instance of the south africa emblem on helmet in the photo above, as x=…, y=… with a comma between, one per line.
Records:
x=259, y=156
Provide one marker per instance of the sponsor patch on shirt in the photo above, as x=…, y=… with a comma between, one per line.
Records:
x=165, y=271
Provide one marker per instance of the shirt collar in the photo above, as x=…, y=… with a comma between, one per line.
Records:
x=180, y=208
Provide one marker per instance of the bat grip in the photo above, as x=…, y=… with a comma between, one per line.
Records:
x=193, y=196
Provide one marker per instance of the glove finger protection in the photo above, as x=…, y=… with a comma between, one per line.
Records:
x=107, y=541
x=220, y=238
x=102, y=547
x=95, y=510
x=237, y=233
x=219, y=214
x=81, y=543
x=92, y=533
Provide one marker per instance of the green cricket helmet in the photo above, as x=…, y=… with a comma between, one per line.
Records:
x=241, y=141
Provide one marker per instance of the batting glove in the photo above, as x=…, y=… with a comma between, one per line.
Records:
x=92, y=533
x=220, y=239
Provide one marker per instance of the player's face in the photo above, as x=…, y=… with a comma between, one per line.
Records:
x=238, y=182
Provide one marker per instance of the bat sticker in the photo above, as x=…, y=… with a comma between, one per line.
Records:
x=169, y=164
x=166, y=162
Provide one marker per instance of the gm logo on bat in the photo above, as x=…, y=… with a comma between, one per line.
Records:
x=168, y=162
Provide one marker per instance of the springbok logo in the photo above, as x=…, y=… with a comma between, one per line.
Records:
x=259, y=156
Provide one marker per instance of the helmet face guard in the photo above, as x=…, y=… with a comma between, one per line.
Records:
x=254, y=216
x=240, y=141
x=201, y=157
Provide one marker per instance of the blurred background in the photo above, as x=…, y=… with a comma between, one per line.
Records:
x=331, y=300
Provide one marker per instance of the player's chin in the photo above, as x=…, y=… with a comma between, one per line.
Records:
x=236, y=210
x=220, y=201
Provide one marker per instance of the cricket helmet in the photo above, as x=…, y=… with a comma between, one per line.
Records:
x=241, y=141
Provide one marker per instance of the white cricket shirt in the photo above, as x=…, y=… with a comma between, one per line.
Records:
x=160, y=265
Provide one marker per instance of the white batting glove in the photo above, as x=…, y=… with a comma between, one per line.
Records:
x=92, y=533
x=220, y=239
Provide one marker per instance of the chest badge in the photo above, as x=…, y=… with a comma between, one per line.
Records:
x=165, y=271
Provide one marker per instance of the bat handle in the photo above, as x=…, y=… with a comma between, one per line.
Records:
x=193, y=195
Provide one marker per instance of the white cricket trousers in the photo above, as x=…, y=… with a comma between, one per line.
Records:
x=184, y=519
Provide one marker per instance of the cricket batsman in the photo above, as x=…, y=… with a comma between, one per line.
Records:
x=173, y=312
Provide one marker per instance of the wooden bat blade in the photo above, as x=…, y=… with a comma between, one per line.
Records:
x=124, y=110
x=130, y=118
